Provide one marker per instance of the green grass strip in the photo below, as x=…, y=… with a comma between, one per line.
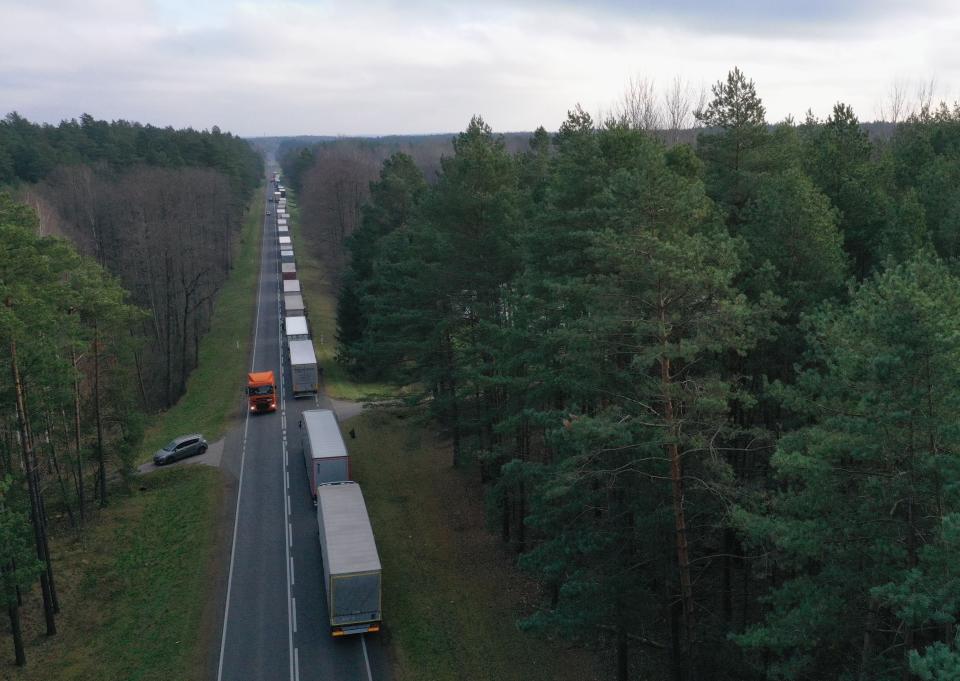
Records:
x=133, y=587
x=451, y=594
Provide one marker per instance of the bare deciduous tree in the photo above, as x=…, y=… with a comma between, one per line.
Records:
x=639, y=106
x=893, y=108
x=166, y=234
x=678, y=104
x=908, y=98
x=700, y=104
x=925, y=92
x=334, y=190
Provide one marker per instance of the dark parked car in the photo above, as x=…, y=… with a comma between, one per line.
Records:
x=180, y=448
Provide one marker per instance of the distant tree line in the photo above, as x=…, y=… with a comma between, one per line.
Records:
x=711, y=390
x=115, y=239
x=332, y=179
x=30, y=151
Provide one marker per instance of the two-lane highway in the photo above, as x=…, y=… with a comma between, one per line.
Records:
x=274, y=621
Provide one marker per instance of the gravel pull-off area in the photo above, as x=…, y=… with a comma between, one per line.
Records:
x=345, y=409
x=211, y=457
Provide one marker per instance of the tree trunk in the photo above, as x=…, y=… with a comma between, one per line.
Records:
x=35, y=517
x=676, y=644
x=138, y=362
x=521, y=512
x=866, y=649
x=505, y=518
x=623, y=654
x=20, y=656
x=101, y=460
x=679, y=513
x=676, y=479
x=184, y=342
x=81, y=492
x=454, y=410
x=61, y=483
x=168, y=344
x=745, y=594
x=33, y=469
x=54, y=599
x=726, y=589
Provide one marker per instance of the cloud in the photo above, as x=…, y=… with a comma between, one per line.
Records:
x=424, y=66
x=749, y=17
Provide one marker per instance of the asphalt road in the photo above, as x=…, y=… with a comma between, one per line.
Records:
x=274, y=623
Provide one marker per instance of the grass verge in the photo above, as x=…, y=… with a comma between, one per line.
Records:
x=131, y=587
x=321, y=302
x=214, y=387
x=452, y=595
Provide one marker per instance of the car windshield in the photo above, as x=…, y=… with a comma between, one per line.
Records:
x=262, y=390
x=170, y=446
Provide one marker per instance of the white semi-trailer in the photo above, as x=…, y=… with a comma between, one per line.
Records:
x=324, y=453
x=296, y=328
x=293, y=305
x=291, y=286
x=351, y=565
x=303, y=368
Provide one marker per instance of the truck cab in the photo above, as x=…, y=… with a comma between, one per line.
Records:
x=261, y=391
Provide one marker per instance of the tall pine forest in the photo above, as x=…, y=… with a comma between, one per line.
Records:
x=710, y=391
x=115, y=239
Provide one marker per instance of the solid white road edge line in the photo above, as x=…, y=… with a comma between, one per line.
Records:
x=366, y=659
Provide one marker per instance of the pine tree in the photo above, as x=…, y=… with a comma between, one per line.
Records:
x=863, y=522
x=734, y=142
x=839, y=158
x=638, y=329
x=393, y=202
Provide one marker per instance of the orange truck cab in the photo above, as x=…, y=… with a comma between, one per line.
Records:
x=262, y=391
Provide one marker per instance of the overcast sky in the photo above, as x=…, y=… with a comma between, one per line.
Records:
x=282, y=68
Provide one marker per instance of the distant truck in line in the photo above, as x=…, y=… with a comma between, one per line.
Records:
x=324, y=453
x=351, y=564
x=261, y=391
x=303, y=368
x=293, y=305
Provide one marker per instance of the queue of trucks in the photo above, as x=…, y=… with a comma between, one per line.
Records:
x=351, y=564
